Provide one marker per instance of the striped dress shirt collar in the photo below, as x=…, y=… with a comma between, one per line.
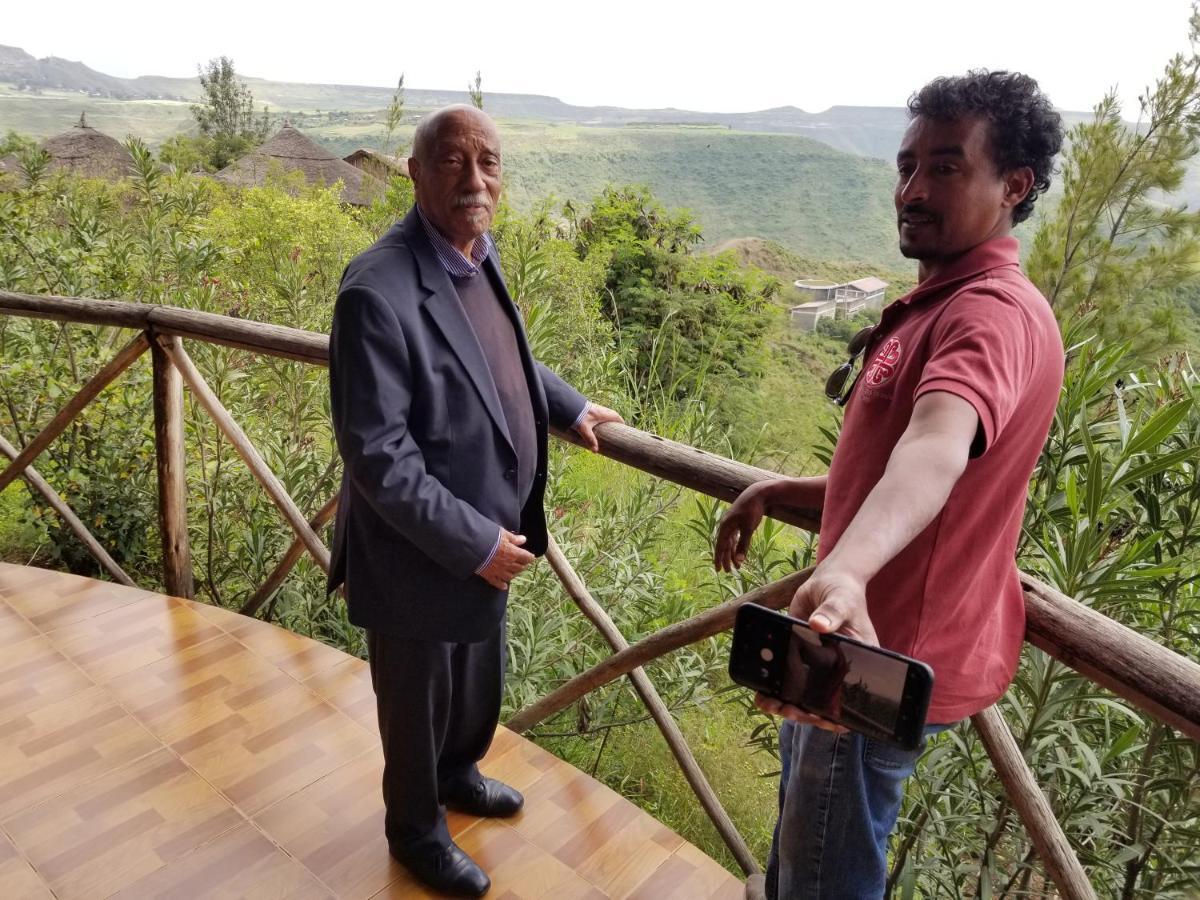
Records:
x=451, y=257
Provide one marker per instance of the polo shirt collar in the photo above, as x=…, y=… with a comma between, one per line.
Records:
x=450, y=257
x=992, y=254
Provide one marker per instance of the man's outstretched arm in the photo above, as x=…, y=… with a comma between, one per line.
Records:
x=924, y=466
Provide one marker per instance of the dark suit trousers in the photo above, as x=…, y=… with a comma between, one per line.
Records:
x=438, y=704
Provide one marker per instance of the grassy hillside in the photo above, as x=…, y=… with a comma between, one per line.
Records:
x=51, y=112
x=789, y=402
x=798, y=192
x=812, y=198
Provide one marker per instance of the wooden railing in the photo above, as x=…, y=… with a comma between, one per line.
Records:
x=1161, y=683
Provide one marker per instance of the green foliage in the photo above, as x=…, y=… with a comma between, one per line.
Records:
x=78, y=237
x=559, y=297
x=686, y=319
x=1112, y=520
x=225, y=115
x=389, y=207
x=21, y=538
x=282, y=255
x=841, y=330
x=393, y=118
x=1111, y=243
x=476, y=91
x=15, y=143
x=188, y=153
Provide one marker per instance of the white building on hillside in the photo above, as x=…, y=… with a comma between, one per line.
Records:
x=830, y=300
x=807, y=315
x=863, y=295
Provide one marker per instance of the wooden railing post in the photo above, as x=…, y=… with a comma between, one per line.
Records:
x=172, y=475
x=245, y=449
x=1022, y=789
x=599, y=617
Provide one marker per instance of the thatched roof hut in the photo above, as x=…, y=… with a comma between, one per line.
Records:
x=85, y=151
x=378, y=164
x=290, y=151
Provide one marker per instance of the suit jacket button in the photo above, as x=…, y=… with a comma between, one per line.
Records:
x=510, y=474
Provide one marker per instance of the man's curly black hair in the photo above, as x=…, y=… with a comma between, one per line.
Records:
x=1025, y=130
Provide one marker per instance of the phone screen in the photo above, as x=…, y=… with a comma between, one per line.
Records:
x=843, y=682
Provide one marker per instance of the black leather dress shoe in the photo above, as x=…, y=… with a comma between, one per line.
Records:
x=487, y=797
x=448, y=871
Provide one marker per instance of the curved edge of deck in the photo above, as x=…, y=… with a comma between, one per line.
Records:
x=152, y=746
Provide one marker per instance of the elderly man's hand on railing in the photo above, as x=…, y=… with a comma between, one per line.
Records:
x=595, y=415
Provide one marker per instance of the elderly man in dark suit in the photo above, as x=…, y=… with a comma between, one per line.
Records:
x=441, y=418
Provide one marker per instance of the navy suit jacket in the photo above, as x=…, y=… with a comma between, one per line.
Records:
x=430, y=471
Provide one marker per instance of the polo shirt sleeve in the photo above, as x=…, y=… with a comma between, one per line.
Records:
x=982, y=350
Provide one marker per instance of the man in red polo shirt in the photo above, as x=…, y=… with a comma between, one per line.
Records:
x=922, y=506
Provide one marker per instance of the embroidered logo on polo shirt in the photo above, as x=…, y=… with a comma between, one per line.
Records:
x=884, y=366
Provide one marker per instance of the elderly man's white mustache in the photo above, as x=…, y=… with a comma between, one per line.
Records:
x=480, y=199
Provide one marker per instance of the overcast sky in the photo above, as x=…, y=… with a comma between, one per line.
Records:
x=728, y=57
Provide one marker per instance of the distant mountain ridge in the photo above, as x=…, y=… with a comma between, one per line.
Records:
x=833, y=200
x=863, y=130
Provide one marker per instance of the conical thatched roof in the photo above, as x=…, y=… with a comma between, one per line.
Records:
x=85, y=151
x=291, y=151
x=378, y=164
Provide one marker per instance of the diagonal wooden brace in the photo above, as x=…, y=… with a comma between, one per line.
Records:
x=599, y=617
x=1062, y=865
x=85, y=395
x=56, y=502
x=173, y=347
x=290, y=558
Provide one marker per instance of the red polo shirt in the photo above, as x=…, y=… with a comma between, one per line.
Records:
x=951, y=598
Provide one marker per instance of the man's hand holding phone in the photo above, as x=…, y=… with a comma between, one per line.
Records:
x=831, y=602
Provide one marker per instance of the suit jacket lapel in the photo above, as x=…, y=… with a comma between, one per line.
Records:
x=446, y=310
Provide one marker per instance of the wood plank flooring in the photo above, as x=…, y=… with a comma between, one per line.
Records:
x=157, y=747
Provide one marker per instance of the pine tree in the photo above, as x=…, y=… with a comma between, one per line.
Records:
x=226, y=115
x=1114, y=241
x=395, y=115
x=476, y=91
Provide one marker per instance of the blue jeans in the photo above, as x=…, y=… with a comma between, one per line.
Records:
x=839, y=797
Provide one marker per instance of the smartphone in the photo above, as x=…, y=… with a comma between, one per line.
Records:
x=867, y=689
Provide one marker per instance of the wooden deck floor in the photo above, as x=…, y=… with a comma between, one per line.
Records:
x=156, y=747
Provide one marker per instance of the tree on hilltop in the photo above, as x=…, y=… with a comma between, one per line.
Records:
x=226, y=117
x=395, y=115
x=476, y=91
